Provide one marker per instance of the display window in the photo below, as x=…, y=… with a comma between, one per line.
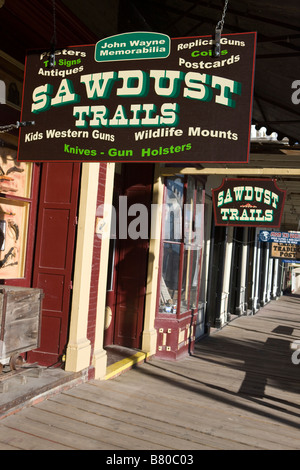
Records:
x=16, y=182
x=15, y=193
x=182, y=244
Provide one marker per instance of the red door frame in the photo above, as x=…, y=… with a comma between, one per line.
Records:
x=55, y=280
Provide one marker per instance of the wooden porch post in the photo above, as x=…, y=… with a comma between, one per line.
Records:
x=79, y=347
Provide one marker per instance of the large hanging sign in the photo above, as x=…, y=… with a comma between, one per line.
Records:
x=248, y=203
x=140, y=97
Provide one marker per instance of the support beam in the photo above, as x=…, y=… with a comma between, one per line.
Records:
x=79, y=347
x=100, y=357
x=149, y=332
x=169, y=171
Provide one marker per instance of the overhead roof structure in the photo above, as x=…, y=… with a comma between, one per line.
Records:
x=278, y=45
x=277, y=23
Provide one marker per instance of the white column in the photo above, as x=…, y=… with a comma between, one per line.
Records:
x=79, y=348
x=266, y=275
x=275, y=279
x=256, y=305
x=270, y=277
x=149, y=332
x=226, y=275
x=244, y=265
x=100, y=356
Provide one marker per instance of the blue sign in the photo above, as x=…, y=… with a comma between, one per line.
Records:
x=279, y=237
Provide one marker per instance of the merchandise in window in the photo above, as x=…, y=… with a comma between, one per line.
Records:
x=181, y=245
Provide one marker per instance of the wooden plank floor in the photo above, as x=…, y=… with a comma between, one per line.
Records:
x=239, y=391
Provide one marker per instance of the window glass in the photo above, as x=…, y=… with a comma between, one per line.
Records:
x=195, y=276
x=169, y=278
x=188, y=235
x=111, y=262
x=189, y=211
x=181, y=258
x=185, y=280
x=15, y=204
x=199, y=215
x=173, y=209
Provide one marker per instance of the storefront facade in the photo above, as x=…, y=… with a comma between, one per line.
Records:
x=155, y=289
x=125, y=254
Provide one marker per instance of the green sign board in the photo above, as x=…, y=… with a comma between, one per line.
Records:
x=133, y=46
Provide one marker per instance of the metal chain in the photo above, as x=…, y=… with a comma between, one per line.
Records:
x=54, y=22
x=218, y=32
x=18, y=124
x=53, y=40
x=220, y=23
x=7, y=128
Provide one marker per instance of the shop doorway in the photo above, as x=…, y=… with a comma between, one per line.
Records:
x=128, y=258
x=54, y=255
x=235, y=275
x=217, y=256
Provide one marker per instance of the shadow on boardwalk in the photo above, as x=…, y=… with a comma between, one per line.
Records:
x=238, y=390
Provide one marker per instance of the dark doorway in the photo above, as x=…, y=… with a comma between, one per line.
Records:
x=128, y=259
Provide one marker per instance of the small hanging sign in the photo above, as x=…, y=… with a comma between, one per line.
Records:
x=285, y=251
x=291, y=238
x=248, y=203
x=140, y=97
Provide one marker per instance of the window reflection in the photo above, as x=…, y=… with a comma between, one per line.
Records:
x=173, y=210
x=169, y=278
x=182, y=245
x=195, y=277
x=185, y=282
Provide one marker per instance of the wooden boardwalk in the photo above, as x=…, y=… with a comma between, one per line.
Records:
x=239, y=391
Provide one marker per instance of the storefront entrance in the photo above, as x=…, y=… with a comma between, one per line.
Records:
x=128, y=257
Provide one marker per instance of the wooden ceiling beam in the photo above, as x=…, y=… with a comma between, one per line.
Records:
x=171, y=171
x=252, y=16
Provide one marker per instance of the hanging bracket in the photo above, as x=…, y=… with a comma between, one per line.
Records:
x=217, y=43
x=218, y=32
x=53, y=41
x=52, y=56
